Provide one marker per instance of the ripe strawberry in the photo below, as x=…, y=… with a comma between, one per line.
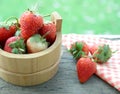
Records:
x=51, y=29
x=7, y=31
x=36, y=43
x=79, y=49
x=101, y=54
x=93, y=48
x=30, y=23
x=85, y=69
x=15, y=45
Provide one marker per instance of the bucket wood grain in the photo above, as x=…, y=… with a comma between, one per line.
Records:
x=29, y=79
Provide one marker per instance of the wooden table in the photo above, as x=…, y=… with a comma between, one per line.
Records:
x=64, y=82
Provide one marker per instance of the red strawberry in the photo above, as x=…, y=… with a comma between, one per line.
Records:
x=93, y=48
x=79, y=49
x=7, y=31
x=15, y=45
x=101, y=54
x=36, y=43
x=51, y=29
x=30, y=23
x=85, y=69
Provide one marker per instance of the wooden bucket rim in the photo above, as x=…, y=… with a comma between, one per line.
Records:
x=34, y=55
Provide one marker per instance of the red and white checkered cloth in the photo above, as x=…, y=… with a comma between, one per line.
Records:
x=110, y=71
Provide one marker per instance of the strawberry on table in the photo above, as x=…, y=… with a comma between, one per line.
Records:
x=15, y=45
x=85, y=69
x=79, y=49
x=51, y=29
x=36, y=43
x=30, y=23
x=101, y=54
x=93, y=48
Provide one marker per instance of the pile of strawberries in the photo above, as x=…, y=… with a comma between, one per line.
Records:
x=87, y=57
x=29, y=34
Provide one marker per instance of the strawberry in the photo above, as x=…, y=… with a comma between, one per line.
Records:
x=85, y=69
x=30, y=23
x=79, y=49
x=15, y=45
x=101, y=54
x=7, y=31
x=36, y=43
x=51, y=29
x=93, y=48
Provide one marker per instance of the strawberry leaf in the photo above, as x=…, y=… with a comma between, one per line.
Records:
x=18, y=46
x=15, y=51
x=102, y=54
x=79, y=45
x=77, y=50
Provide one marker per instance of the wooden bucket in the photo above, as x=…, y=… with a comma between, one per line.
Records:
x=36, y=68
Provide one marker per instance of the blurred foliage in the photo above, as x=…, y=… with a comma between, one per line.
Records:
x=79, y=16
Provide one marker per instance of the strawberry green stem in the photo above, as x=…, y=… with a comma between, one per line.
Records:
x=46, y=15
x=17, y=22
x=30, y=10
x=115, y=51
x=46, y=34
x=12, y=18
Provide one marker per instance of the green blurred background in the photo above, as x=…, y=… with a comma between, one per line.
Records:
x=79, y=16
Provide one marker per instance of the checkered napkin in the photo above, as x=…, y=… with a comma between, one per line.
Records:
x=110, y=71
